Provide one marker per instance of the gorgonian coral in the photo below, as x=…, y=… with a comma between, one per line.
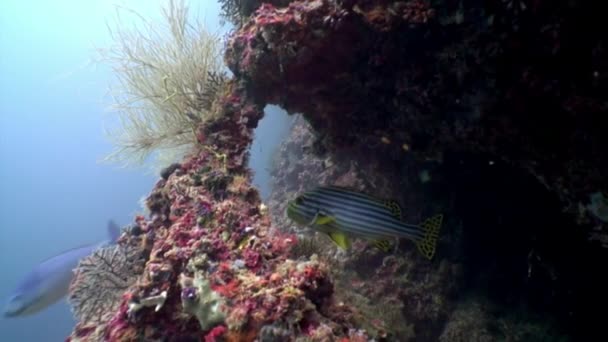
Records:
x=100, y=280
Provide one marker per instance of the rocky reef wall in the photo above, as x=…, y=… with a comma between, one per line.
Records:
x=492, y=112
x=521, y=81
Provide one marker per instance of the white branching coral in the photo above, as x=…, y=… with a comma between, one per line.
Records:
x=156, y=301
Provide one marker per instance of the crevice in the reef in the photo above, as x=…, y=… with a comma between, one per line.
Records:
x=518, y=249
x=268, y=135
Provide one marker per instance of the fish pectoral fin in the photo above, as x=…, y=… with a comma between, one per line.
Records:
x=313, y=220
x=431, y=227
x=323, y=219
x=382, y=244
x=340, y=239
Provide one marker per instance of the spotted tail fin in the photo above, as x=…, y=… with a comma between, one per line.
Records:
x=430, y=226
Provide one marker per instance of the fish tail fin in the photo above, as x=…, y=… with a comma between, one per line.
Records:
x=431, y=227
x=113, y=231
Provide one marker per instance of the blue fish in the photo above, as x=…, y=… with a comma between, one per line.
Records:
x=50, y=280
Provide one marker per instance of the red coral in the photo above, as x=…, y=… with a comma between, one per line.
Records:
x=139, y=219
x=311, y=272
x=118, y=328
x=228, y=290
x=224, y=272
x=214, y=334
x=252, y=258
x=282, y=243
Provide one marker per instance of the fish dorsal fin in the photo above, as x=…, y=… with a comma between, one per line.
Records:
x=394, y=207
x=340, y=239
x=113, y=231
x=431, y=227
x=382, y=244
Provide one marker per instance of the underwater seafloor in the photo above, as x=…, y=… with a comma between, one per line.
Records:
x=493, y=113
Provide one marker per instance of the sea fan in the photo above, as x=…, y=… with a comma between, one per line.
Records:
x=100, y=280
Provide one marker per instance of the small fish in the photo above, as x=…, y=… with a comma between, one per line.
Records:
x=339, y=213
x=50, y=280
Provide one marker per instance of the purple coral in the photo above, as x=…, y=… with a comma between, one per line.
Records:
x=189, y=294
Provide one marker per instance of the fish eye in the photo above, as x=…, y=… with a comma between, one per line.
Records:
x=299, y=200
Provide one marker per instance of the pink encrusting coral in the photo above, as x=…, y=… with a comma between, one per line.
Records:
x=215, y=268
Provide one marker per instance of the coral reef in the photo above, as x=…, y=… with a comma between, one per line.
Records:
x=199, y=299
x=417, y=300
x=433, y=104
x=467, y=323
x=426, y=77
x=438, y=103
x=475, y=320
x=408, y=298
x=215, y=268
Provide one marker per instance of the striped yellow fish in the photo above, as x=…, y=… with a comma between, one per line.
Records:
x=340, y=212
